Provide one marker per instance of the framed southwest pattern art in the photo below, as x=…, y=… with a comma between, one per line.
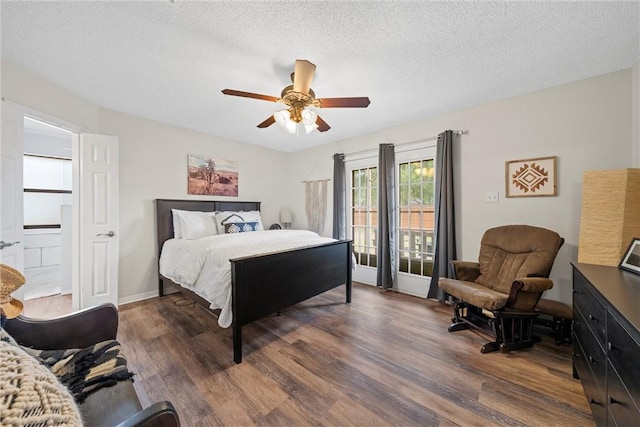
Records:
x=531, y=177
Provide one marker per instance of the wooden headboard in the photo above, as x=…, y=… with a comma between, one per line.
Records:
x=164, y=217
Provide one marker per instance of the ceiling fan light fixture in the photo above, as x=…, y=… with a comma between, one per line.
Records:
x=298, y=97
x=309, y=117
x=284, y=121
x=310, y=128
x=291, y=127
x=280, y=117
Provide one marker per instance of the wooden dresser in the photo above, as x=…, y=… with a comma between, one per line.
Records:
x=606, y=342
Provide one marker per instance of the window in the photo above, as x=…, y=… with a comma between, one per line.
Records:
x=415, y=205
x=364, y=214
x=47, y=186
x=416, y=216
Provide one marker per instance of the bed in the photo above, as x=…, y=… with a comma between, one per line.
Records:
x=267, y=283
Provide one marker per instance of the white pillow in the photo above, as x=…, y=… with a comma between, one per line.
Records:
x=177, y=231
x=228, y=217
x=194, y=225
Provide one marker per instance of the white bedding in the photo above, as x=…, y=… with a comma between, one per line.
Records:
x=202, y=265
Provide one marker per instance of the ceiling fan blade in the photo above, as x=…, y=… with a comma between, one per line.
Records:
x=250, y=95
x=358, y=102
x=322, y=125
x=270, y=120
x=303, y=75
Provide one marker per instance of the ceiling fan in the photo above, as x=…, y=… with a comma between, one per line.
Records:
x=298, y=97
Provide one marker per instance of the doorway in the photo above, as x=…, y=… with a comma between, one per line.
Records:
x=94, y=211
x=47, y=182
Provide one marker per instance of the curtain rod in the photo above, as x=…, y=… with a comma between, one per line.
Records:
x=317, y=180
x=455, y=132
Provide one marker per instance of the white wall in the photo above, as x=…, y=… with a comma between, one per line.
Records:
x=586, y=124
x=153, y=165
x=28, y=89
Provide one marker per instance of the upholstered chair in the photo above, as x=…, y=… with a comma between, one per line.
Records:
x=499, y=293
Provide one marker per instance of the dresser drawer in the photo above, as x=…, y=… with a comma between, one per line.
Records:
x=593, y=311
x=593, y=355
x=623, y=350
x=622, y=409
x=594, y=394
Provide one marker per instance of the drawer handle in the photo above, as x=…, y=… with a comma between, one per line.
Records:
x=613, y=401
x=611, y=347
x=592, y=401
x=592, y=360
x=593, y=318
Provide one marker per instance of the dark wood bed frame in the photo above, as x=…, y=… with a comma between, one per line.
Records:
x=264, y=284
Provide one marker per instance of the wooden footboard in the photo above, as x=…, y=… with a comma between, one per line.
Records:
x=268, y=283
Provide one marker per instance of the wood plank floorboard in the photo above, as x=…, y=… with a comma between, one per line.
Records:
x=384, y=360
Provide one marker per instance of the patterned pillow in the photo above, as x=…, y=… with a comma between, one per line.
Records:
x=227, y=217
x=240, y=227
x=32, y=395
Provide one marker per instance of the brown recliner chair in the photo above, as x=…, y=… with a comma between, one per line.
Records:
x=499, y=293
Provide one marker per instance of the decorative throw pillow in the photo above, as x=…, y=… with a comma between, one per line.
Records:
x=31, y=394
x=240, y=227
x=226, y=217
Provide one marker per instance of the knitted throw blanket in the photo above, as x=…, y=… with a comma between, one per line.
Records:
x=30, y=395
x=86, y=370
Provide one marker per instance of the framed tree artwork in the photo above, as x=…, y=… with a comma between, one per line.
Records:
x=212, y=177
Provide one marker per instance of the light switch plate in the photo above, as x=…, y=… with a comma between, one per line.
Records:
x=491, y=197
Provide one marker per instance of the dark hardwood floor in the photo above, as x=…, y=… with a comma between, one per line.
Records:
x=386, y=359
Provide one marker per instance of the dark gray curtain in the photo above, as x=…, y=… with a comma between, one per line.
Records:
x=444, y=233
x=339, y=197
x=386, y=217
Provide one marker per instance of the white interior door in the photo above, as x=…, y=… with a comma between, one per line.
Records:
x=98, y=233
x=11, y=197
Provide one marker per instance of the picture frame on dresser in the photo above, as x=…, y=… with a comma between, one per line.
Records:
x=631, y=259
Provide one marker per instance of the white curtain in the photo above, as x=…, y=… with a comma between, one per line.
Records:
x=316, y=204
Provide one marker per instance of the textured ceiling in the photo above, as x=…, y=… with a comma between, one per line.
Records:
x=168, y=61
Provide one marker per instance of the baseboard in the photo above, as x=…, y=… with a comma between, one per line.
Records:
x=137, y=297
x=400, y=290
x=142, y=296
x=412, y=293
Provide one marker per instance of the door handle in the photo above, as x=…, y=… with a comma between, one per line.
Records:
x=109, y=234
x=4, y=244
